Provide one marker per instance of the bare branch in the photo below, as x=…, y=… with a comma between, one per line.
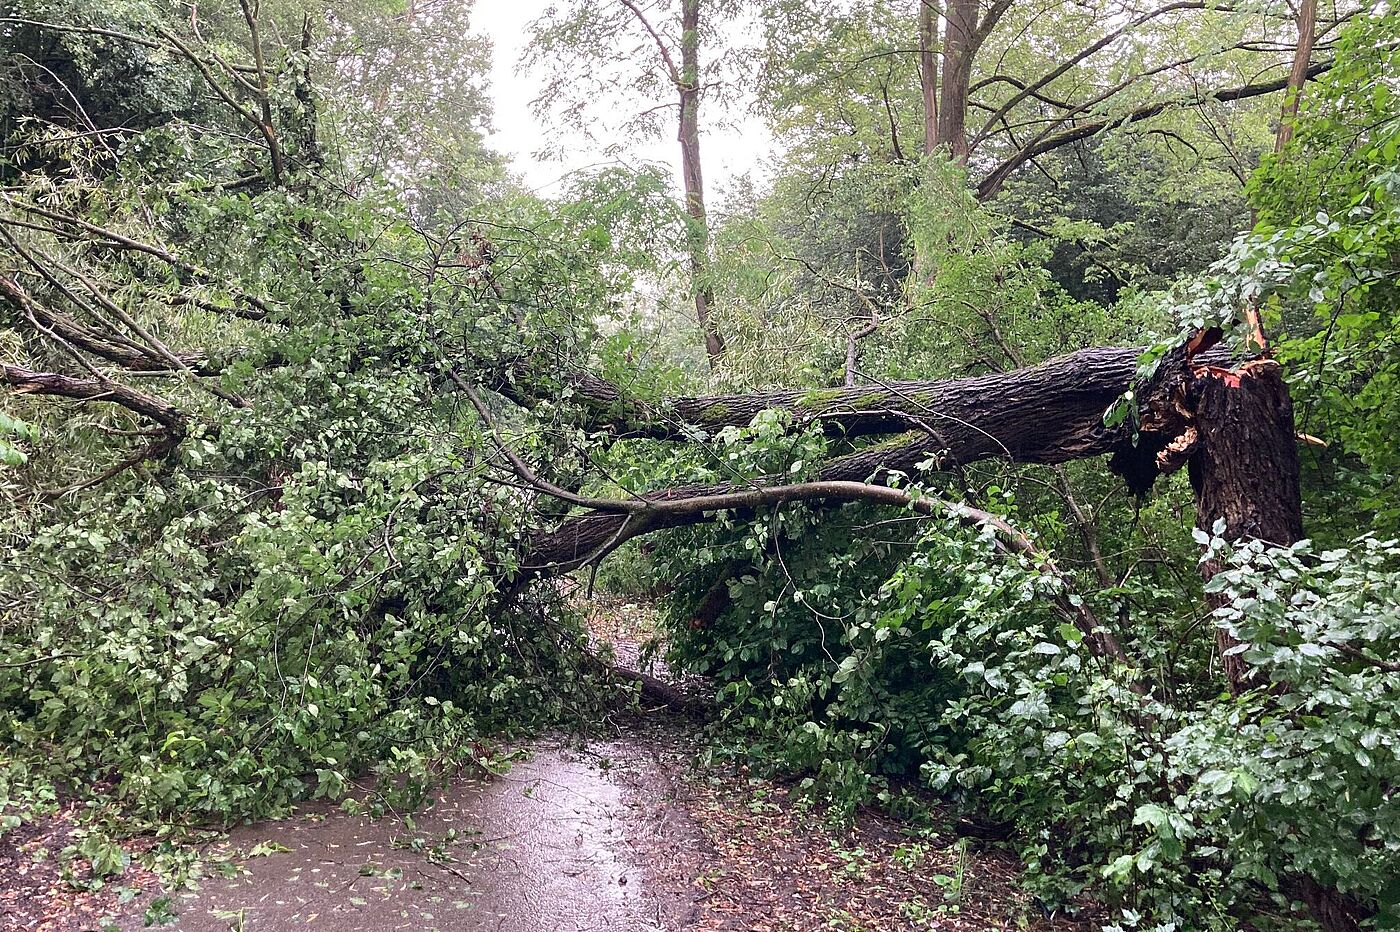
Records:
x=666, y=58
x=1048, y=141
x=24, y=381
x=257, y=309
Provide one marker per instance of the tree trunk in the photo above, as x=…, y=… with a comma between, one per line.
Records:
x=1051, y=413
x=1333, y=912
x=928, y=72
x=1047, y=413
x=1244, y=468
x=959, y=47
x=694, y=181
x=1298, y=76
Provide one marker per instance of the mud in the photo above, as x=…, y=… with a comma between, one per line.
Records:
x=565, y=841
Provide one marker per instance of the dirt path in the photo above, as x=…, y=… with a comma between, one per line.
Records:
x=614, y=835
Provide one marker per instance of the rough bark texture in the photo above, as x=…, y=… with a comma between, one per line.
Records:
x=1334, y=912
x=1006, y=408
x=1244, y=468
x=1048, y=413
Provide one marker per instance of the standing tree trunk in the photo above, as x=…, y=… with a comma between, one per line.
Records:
x=699, y=234
x=1298, y=76
x=928, y=72
x=1244, y=468
x=959, y=47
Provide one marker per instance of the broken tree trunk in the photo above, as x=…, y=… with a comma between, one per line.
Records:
x=1048, y=413
x=1244, y=468
x=1245, y=472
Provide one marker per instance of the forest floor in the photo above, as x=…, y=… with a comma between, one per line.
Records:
x=619, y=831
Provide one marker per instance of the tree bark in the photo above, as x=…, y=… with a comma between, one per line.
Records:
x=1298, y=75
x=1244, y=469
x=26, y=381
x=1334, y=912
x=1047, y=413
x=694, y=181
x=111, y=346
x=959, y=47
x=928, y=72
x=1245, y=473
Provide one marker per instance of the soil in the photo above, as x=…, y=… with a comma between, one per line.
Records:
x=41, y=891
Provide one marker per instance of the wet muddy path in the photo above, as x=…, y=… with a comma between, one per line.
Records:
x=578, y=836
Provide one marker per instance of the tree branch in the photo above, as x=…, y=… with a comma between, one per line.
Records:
x=1046, y=143
x=666, y=58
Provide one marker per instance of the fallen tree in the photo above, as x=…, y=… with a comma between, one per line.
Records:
x=1234, y=428
x=1046, y=414
x=988, y=415
x=1231, y=426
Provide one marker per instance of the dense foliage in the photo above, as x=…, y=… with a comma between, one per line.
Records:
x=314, y=581
x=864, y=653
x=298, y=377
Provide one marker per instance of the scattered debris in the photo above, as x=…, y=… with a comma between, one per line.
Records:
x=47, y=885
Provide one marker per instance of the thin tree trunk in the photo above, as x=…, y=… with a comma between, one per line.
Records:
x=1298, y=76
x=693, y=179
x=928, y=72
x=959, y=47
x=1088, y=531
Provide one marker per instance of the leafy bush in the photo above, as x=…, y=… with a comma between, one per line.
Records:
x=253, y=629
x=1185, y=807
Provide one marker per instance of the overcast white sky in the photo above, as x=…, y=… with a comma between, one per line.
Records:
x=725, y=154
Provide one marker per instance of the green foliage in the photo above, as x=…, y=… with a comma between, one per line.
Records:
x=11, y=431
x=316, y=583
x=1181, y=807
x=861, y=652
x=313, y=587
x=1329, y=209
x=319, y=581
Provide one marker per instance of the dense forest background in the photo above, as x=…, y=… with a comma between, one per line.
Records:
x=310, y=402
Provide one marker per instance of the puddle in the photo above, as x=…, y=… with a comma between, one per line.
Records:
x=560, y=843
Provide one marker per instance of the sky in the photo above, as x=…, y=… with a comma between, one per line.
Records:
x=725, y=154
